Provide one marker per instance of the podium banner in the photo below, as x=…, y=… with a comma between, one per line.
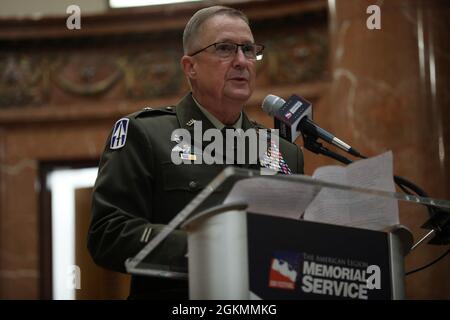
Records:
x=306, y=260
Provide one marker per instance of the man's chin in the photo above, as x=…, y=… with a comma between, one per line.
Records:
x=240, y=95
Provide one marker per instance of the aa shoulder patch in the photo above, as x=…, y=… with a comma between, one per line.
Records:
x=119, y=135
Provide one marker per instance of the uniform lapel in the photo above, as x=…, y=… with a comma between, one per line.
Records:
x=272, y=157
x=246, y=125
x=188, y=112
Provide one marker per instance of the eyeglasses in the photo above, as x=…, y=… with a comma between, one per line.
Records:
x=251, y=51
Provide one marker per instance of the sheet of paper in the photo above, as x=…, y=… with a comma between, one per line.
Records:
x=354, y=208
x=273, y=197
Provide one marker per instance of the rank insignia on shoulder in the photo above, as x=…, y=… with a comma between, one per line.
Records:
x=119, y=135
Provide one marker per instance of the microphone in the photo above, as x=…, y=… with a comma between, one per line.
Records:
x=294, y=117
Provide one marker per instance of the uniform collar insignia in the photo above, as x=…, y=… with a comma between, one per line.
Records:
x=190, y=122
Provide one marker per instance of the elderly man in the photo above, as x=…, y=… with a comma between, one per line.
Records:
x=139, y=189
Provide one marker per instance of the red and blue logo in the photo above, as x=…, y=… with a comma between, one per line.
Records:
x=284, y=270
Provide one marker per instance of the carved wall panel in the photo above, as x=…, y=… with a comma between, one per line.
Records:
x=146, y=72
x=24, y=79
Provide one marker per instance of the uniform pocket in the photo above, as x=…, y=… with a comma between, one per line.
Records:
x=188, y=177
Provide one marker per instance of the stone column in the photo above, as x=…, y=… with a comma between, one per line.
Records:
x=390, y=91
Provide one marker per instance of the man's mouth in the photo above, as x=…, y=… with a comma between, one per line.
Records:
x=242, y=79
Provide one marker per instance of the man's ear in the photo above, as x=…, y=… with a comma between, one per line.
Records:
x=188, y=65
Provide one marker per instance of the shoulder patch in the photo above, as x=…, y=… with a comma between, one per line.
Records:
x=119, y=135
x=147, y=111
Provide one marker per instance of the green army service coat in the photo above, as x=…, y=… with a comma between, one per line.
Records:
x=139, y=189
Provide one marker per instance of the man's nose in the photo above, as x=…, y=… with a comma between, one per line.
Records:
x=239, y=58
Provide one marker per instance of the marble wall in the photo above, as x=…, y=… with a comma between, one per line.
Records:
x=389, y=91
x=380, y=90
x=61, y=92
x=24, y=148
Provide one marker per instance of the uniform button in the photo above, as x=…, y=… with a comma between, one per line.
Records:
x=192, y=184
x=169, y=108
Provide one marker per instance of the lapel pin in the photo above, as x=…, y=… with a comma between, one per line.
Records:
x=190, y=122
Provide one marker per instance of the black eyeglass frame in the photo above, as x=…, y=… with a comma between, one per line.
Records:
x=258, y=52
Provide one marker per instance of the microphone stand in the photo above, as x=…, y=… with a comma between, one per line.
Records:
x=439, y=221
x=312, y=145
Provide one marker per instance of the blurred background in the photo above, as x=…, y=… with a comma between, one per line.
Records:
x=63, y=85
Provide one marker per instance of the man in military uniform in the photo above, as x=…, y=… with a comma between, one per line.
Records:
x=139, y=189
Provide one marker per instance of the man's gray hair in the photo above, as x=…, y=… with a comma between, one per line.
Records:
x=192, y=27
